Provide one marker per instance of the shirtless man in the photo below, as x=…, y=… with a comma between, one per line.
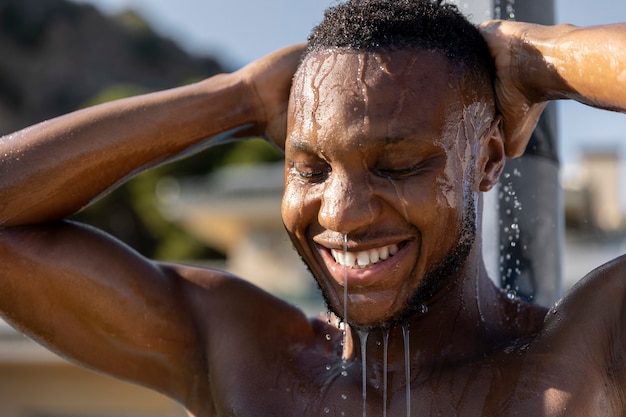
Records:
x=389, y=142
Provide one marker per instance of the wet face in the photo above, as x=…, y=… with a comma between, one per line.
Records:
x=383, y=158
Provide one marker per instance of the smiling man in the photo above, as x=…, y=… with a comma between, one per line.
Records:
x=392, y=134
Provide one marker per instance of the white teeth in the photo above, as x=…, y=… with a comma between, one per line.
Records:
x=348, y=259
x=339, y=257
x=363, y=259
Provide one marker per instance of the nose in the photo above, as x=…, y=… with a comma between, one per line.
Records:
x=348, y=203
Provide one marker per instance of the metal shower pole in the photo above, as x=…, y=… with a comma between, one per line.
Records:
x=523, y=216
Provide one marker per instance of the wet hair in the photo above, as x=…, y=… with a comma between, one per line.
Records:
x=404, y=24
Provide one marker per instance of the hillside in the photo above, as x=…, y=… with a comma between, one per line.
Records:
x=56, y=56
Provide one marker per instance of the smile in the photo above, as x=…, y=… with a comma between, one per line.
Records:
x=363, y=259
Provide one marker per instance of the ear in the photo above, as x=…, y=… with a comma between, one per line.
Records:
x=492, y=156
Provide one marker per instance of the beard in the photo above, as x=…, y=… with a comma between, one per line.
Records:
x=442, y=273
x=434, y=279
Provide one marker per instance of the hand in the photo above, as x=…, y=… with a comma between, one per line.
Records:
x=517, y=101
x=270, y=79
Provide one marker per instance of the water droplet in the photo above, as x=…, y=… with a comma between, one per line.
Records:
x=327, y=336
x=345, y=300
x=328, y=367
x=344, y=373
x=424, y=308
x=511, y=294
x=326, y=410
x=344, y=397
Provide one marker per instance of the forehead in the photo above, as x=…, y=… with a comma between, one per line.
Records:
x=369, y=94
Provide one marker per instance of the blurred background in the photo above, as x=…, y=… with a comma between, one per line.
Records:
x=222, y=209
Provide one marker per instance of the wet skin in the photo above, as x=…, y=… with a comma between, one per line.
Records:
x=377, y=151
x=400, y=173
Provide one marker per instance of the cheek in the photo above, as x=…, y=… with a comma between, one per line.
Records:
x=298, y=208
x=425, y=201
x=449, y=189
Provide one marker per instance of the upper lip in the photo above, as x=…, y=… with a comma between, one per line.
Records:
x=356, y=244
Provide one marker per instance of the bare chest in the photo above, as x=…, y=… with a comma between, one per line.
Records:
x=516, y=384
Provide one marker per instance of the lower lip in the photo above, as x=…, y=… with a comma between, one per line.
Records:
x=375, y=274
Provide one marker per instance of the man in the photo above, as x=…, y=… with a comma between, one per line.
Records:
x=392, y=134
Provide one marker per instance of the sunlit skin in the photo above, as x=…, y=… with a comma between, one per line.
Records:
x=392, y=150
x=381, y=157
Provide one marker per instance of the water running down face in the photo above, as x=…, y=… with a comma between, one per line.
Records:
x=380, y=148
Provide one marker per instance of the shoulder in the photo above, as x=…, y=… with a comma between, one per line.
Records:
x=247, y=336
x=590, y=319
x=229, y=305
x=602, y=290
x=579, y=351
x=597, y=300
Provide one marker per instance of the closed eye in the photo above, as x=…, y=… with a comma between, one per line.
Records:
x=409, y=171
x=311, y=173
x=400, y=173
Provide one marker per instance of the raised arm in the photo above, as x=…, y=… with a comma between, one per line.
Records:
x=91, y=298
x=53, y=169
x=535, y=64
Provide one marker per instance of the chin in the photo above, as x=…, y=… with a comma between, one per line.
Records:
x=384, y=310
x=365, y=312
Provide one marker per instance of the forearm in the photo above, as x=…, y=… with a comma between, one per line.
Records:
x=53, y=169
x=584, y=64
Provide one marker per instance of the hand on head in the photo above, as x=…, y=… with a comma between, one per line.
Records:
x=270, y=78
x=514, y=97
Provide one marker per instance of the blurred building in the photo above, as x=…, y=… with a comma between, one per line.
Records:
x=37, y=383
x=237, y=211
x=594, y=216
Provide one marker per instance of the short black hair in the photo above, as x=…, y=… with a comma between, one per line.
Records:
x=404, y=24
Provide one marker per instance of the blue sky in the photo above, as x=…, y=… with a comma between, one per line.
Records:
x=242, y=30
